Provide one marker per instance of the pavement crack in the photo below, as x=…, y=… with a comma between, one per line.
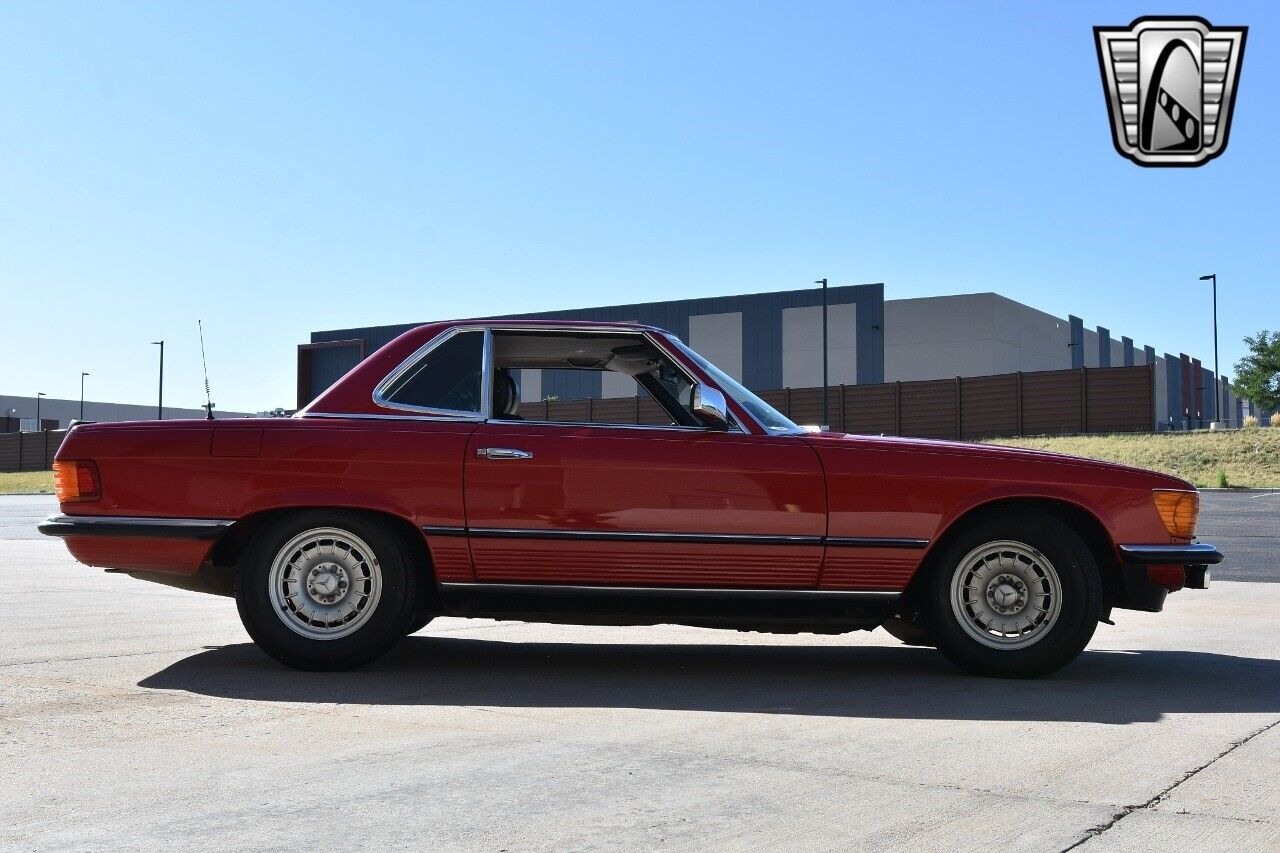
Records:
x=1095, y=831
x=1214, y=816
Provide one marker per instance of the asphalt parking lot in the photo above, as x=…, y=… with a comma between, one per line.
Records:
x=140, y=717
x=1246, y=528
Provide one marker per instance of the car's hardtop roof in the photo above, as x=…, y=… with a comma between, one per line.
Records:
x=504, y=323
x=352, y=394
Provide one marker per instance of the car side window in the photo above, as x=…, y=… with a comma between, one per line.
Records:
x=625, y=401
x=608, y=377
x=447, y=378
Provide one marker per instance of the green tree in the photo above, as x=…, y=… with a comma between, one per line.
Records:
x=1258, y=373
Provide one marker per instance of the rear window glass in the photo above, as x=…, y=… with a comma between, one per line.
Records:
x=446, y=378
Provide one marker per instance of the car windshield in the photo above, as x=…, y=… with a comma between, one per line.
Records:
x=769, y=417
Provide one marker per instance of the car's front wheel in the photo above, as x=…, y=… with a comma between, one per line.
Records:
x=1015, y=596
x=326, y=590
x=912, y=632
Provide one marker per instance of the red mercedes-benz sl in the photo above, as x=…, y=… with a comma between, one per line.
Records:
x=422, y=484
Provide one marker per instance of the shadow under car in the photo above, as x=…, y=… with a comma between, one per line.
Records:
x=1114, y=687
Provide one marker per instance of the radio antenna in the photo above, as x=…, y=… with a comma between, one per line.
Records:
x=208, y=406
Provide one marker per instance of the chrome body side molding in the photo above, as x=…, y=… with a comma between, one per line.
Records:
x=875, y=542
x=695, y=538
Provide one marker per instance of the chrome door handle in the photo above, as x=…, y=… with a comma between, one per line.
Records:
x=502, y=453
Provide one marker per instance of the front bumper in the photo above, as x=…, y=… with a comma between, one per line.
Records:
x=1148, y=573
x=1193, y=554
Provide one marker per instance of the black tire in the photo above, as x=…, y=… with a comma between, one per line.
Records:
x=419, y=622
x=425, y=611
x=1080, y=598
x=387, y=621
x=911, y=633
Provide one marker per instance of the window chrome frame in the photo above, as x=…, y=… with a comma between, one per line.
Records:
x=485, y=414
x=647, y=335
x=486, y=382
x=369, y=416
x=762, y=429
x=602, y=425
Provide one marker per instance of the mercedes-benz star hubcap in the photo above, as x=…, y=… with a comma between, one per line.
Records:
x=325, y=583
x=1006, y=594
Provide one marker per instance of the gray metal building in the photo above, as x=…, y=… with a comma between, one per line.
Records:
x=773, y=340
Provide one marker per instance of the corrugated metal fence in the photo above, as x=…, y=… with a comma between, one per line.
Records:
x=29, y=451
x=1052, y=402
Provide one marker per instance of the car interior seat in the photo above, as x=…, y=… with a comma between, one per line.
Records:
x=506, y=397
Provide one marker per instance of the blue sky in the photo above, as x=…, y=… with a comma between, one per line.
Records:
x=275, y=168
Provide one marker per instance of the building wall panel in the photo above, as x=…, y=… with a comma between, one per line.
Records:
x=718, y=337
x=802, y=346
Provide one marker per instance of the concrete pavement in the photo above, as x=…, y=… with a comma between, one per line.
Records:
x=139, y=717
x=19, y=515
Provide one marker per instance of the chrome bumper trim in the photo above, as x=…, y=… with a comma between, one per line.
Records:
x=120, y=525
x=1195, y=554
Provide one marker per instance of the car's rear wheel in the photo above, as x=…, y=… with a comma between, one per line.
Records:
x=326, y=590
x=419, y=622
x=1015, y=596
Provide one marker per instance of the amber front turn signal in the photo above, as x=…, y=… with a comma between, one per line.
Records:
x=1178, y=511
x=76, y=480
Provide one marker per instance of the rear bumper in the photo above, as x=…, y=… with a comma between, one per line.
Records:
x=176, y=546
x=147, y=528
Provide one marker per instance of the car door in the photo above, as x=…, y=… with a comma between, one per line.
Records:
x=586, y=504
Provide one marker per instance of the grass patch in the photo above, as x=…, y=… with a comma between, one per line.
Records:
x=1248, y=458
x=27, y=483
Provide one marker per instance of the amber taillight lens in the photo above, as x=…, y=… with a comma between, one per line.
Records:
x=1178, y=511
x=76, y=480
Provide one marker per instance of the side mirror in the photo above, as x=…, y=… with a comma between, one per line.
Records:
x=710, y=407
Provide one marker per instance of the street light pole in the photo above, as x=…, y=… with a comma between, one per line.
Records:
x=160, y=399
x=82, y=376
x=39, y=423
x=826, y=418
x=1217, y=376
